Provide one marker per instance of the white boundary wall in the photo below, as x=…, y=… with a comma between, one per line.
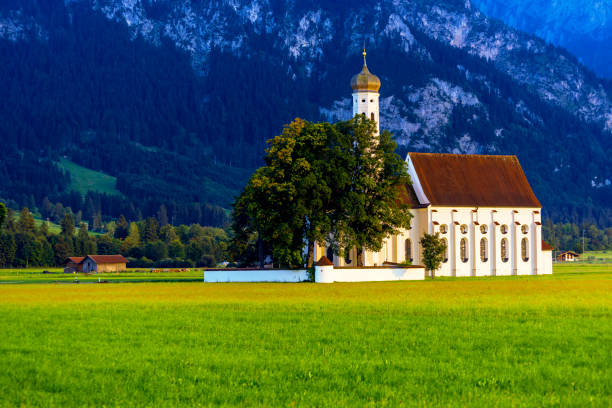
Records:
x=255, y=275
x=329, y=274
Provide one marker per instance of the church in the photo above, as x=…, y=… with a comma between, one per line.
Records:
x=481, y=205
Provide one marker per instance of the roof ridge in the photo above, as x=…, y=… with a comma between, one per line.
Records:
x=465, y=154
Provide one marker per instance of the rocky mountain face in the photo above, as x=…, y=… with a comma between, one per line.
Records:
x=584, y=27
x=453, y=80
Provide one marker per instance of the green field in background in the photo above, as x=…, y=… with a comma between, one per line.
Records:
x=512, y=341
x=57, y=275
x=83, y=179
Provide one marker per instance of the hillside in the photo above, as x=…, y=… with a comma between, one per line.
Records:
x=175, y=99
x=584, y=27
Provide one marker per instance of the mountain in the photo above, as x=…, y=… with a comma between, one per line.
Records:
x=584, y=27
x=177, y=98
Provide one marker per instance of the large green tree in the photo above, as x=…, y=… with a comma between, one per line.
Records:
x=369, y=177
x=322, y=183
x=288, y=201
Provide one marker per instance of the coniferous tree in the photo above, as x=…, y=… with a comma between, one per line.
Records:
x=3, y=213
x=123, y=228
x=25, y=224
x=67, y=225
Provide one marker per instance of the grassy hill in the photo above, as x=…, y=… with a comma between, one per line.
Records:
x=83, y=179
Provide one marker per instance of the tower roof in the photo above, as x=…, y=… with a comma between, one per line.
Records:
x=365, y=80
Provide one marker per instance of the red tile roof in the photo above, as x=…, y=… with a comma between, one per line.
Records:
x=324, y=261
x=546, y=246
x=74, y=259
x=107, y=259
x=473, y=180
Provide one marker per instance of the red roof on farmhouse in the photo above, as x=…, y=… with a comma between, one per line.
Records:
x=107, y=259
x=473, y=180
x=75, y=259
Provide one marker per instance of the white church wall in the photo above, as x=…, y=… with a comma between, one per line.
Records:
x=546, y=263
x=255, y=275
x=495, y=220
x=330, y=274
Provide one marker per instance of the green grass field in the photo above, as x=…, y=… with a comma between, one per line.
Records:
x=83, y=179
x=515, y=341
x=57, y=275
x=601, y=256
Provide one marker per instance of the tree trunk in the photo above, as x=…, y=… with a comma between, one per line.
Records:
x=310, y=256
x=260, y=250
x=359, y=256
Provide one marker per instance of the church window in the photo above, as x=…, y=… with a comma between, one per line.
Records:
x=463, y=229
x=445, y=250
x=504, y=229
x=484, y=256
x=525, y=228
x=408, y=244
x=504, y=249
x=483, y=229
x=363, y=100
x=443, y=228
x=330, y=254
x=372, y=115
x=463, y=249
x=525, y=249
x=371, y=100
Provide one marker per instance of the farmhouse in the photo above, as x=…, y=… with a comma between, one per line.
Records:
x=568, y=256
x=103, y=263
x=481, y=205
x=73, y=264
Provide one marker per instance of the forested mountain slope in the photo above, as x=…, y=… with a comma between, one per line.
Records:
x=584, y=27
x=177, y=98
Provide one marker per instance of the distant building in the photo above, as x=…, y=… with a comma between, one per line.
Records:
x=73, y=264
x=567, y=256
x=103, y=263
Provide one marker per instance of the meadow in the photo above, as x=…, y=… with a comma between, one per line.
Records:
x=513, y=341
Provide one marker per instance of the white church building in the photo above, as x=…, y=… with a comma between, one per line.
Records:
x=482, y=206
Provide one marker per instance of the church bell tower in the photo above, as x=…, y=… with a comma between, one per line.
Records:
x=365, y=94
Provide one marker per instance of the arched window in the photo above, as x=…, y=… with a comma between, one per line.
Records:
x=525, y=228
x=443, y=228
x=504, y=229
x=483, y=229
x=525, y=249
x=330, y=254
x=504, y=249
x=484, y=253
x=408, y=244
x=445, y=250
x=463, y=229
x=463, y=249
x=372, y=115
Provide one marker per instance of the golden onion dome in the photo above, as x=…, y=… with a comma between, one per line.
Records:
x=365, y=80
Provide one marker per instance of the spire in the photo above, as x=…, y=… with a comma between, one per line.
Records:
x=364, y=55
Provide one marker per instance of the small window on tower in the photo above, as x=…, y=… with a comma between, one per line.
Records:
x=371, y=100
x=372, y=115
x=363, y=100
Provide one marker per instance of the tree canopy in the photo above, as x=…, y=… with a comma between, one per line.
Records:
x=336, y=184
x=433, y=252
